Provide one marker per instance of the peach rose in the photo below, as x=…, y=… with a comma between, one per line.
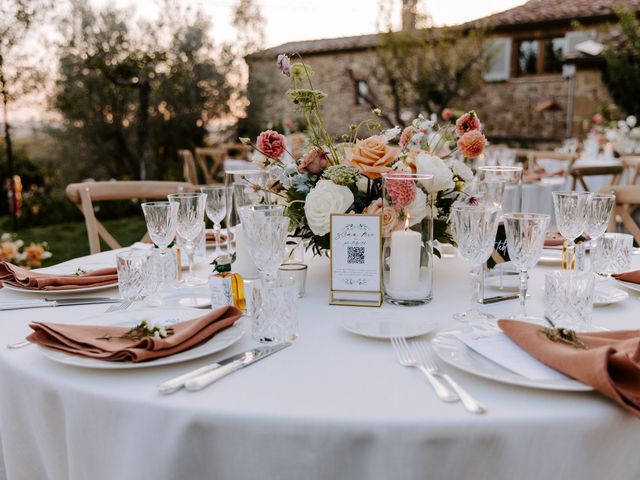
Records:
x=447, y=114
x=390, y=215
x=371, y=156
x=35, y=254
x=8, y=251
x=597, y=118
x=314, y=161
x=472, y=144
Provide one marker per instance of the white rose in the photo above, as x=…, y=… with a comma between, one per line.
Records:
x=391, y=133
x=461, y=170
x=362, y=183
x=632, y=121
x=432, y=165
x=417, y=209
x=323, y=200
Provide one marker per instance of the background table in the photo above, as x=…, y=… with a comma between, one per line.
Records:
x=334, y=405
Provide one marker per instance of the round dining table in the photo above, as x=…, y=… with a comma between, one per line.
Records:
x=334, y=405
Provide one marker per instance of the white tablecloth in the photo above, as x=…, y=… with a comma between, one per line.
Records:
x=332, y=406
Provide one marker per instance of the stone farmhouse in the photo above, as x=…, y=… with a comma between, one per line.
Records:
x=543, y=83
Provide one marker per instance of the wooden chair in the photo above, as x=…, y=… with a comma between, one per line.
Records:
x=189, y=169
x=627, y=199
x=534, y=156
x=84, y=194
x=632, y=168
x=217, y=156
x=578, y=174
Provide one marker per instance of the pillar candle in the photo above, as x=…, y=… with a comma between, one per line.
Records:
x=404, y=261
x=244, y=263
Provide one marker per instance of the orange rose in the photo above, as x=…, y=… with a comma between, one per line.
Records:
x=371, y=156
x=34, y=254
x=8, y=251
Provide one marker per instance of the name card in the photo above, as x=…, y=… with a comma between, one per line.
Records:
x=356, y=260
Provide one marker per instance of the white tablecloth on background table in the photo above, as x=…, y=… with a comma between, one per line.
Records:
x=332, y=406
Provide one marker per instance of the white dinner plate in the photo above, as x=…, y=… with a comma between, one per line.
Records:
x=630, y=285
x=608, y=295
x=56, y=292
x=550, y=257
x=166, y=316
x=457, y=354
x=386, y=323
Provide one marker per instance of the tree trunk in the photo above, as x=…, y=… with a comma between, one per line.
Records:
x=7, y=142
x=143, y=126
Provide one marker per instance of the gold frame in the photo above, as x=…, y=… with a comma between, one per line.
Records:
x=354, y=302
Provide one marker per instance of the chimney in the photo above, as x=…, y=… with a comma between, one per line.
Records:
x=409, y=14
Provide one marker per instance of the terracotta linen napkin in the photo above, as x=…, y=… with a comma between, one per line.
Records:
x=611, y=364
x=84, y=340
x=632, y=277
x=28, y=279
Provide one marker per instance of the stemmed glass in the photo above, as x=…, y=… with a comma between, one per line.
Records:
x=525, y=240
x=474, y=228
x=266, y=231
x=216, y=209
x=511, y=176
x=161, y=218
x=571, y=210
x=598, y=216
x=189, y=225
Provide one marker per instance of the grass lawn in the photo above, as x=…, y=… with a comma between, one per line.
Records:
x=69, y=240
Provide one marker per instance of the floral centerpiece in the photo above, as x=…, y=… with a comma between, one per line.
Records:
x=346, y=177
x=13, y=250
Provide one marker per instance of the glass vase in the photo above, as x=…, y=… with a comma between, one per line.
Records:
x=407, y=231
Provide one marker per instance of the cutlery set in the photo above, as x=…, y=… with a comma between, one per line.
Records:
x=419, y=355
x=51, y=302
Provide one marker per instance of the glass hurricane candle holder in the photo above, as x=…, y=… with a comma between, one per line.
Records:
x=407, y=231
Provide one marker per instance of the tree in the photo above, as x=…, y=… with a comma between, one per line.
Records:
x=18, y=76
x=132, y=95
x=622, y=73
x=424, y=70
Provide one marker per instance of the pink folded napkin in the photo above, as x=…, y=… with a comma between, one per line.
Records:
x=631, y=277
x=89, y=341
x=610, y=364
x=28, y=279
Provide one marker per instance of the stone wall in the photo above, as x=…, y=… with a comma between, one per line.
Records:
x=520, y=110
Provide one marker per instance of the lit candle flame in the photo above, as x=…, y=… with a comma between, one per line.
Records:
x=406, y=223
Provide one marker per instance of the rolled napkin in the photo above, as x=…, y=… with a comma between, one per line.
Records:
x=631, y=277
x=89, y=340
x=610, y=364
x=28, y=279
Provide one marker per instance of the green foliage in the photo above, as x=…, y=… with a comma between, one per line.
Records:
x=130, y=92
x=622, y=75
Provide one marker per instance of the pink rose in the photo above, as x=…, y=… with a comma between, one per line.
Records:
x=447, y=114
x=271, y=143
x=401, y=191
x=467, y=123
x=314, y=161
x=597, y=118
x=390, y=215
x=472, y=144
x=406, y=135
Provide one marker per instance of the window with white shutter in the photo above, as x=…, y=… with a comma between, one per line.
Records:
x=572, y=39
x=499, y=59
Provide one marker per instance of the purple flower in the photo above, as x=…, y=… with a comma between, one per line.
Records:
x=284, y=65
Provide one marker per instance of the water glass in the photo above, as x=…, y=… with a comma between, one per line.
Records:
x=133, y=274
x=190, y=225
x=568, y=298
x=571, y=209
x=275, y=313
x=295, y=273
x=511, y=176
x=525, y=240
x=613, y=254
x=163, y=267
x=216, y=208
x=598, y=216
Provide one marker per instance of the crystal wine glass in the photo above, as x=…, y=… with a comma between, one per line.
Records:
x=216, y=209
x=571, y=210
x=474, y=228
x=512, y=177
x=598, y=215
x=189, y=225
x=161, y=218
x=525, y=240
x=266, y=230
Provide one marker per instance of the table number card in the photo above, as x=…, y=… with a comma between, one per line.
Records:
x=356, y=265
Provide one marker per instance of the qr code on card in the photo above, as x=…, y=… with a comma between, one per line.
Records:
x=355, y=255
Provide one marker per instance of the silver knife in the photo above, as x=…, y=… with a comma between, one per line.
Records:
x=62, y=302
x=247, y=358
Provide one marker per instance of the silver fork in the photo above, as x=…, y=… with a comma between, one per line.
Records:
x=116, y=307
x=470, y=403
x=407, y=358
